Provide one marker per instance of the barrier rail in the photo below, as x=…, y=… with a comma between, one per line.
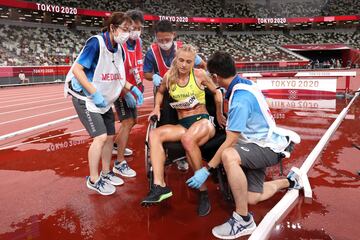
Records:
x=266, y=225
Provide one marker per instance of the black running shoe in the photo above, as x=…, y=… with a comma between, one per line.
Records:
x=204, y=204
x=157, y=194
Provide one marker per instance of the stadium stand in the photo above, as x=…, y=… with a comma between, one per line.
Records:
x=232, y=8
x=56, y=39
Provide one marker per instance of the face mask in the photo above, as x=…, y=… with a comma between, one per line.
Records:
x=135, y=35
x=165, y=46
x=121, y=37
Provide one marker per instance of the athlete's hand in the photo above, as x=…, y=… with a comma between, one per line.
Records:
x=130, y=100
x=156, y=80
x=138, y=94
x=221, y=119
x=98, y=100
x=199, y=178
x=155, y=112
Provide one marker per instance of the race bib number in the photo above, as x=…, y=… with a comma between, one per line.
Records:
x=187, y=103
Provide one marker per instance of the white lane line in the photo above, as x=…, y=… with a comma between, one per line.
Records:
x=49, y=137
x=50, y=99
x=13, y=134
x=20, y=98
x=9, y=135
x=25, y=109
x=28, y=93
x=37, y=115
x=18, y=89
x=25, y=103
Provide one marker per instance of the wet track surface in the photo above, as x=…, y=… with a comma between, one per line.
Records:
x=44, y=195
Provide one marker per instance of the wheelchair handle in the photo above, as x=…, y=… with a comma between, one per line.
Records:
x=154, y=118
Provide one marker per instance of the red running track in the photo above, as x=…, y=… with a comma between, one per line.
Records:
x=44, y=195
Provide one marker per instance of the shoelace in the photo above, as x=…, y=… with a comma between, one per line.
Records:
x=232, y=221
x=100, y=183
x=124, y=166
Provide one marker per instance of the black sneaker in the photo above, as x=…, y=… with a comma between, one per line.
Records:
x=157, y=194
x=204, y=204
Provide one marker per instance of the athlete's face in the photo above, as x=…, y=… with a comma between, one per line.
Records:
x=185, y=61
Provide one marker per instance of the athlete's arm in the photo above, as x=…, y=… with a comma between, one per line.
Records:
x=207, y=82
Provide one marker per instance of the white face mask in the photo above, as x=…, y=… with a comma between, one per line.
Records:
x=135, y=35
x=121, y=37
x=165, y=46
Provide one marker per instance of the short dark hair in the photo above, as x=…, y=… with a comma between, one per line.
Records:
x=136, y=15
x=116, y=18
x=163, y=26
x=222, y=64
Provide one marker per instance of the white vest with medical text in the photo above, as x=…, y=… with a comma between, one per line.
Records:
x=109, y=77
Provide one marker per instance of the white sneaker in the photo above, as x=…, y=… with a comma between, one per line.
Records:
x=123, y=169
x=295, y=176
x=127, y=152
x=182, y=165
x=235, y=227
x=111, y=178
x=101, y=186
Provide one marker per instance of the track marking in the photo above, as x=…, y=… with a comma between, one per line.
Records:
x=28, y=96
x=49, y=137
x=37, y=115
x=25, y=109
x=25, y=103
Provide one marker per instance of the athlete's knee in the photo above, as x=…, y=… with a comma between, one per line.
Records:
x=188, y=142
x=229, y=157
x=154, y=136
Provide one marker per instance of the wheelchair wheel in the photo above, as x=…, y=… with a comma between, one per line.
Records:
x=147, y=148
x=151, y=178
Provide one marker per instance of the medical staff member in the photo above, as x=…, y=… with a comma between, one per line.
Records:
x=95, y=81
x=125, y=105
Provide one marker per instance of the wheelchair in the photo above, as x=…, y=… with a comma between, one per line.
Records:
x=174, y=150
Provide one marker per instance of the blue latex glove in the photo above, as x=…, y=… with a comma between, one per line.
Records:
x=98, y=100
x=138, y=94
x=198, y=60
x=156, y=80
x=130, y=100
x=199, y=178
